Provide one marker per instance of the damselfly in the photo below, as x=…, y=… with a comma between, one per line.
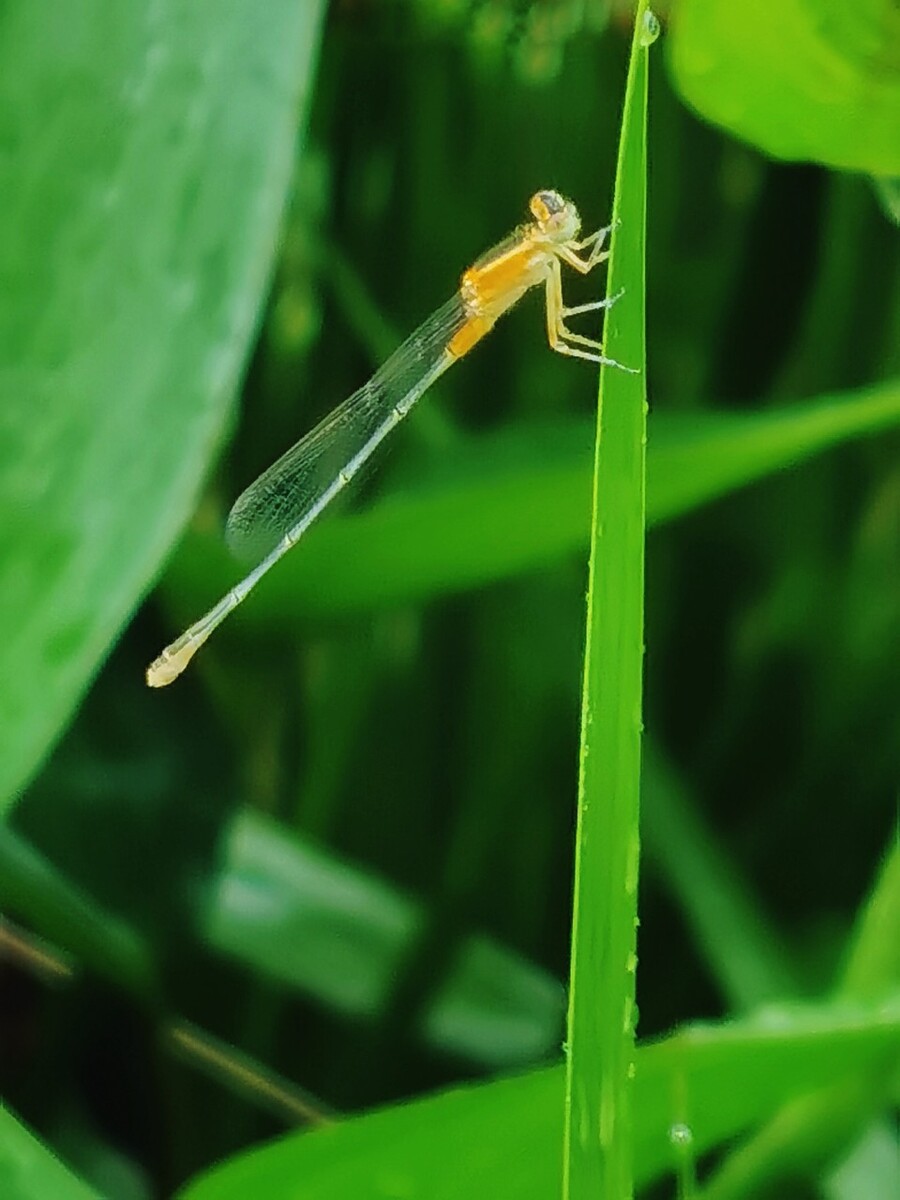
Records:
x=277, y=509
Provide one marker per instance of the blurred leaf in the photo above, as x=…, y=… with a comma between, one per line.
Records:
x=801, y=79
x=812, y=1132
x=495, y=1007
x=740, y=945
x=146, y=156
x=887, y=189
x=504, y=1139
x=28, y=1171
x=33, y=888
x=303, y=917
x=515, y=500
x=710, y=455
x=107, y=1168
x=306, y=918
x=872, y=1169
x=873, y=961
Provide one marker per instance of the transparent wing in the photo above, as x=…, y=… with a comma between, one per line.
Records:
x=279, y=499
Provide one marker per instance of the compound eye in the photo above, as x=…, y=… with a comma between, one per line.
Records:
x=545, y=205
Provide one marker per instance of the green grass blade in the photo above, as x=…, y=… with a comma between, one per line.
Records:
x=147, y=152
x=597, y=1145
x=873, y=959
x=28, y=1170
x=502, y=1139
x=808, y=1135
x=35, y=889
x=511, y=501
x=742, y=950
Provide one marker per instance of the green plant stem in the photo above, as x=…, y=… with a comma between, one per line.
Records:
x=597, y=1156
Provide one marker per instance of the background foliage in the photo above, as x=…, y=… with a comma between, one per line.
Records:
x=341, y=846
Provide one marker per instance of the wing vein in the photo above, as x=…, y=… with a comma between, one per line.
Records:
x=279, y=499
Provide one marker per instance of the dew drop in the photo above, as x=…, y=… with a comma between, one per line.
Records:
x=681, y=1138
x=650, y=30
x=680, y=1135
x=628, y=1010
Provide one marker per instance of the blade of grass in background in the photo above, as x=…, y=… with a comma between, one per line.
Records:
x=811, y=1133
x=138, y=224
x=597, y=1140
x=887, y=189
x=33, y=888
x=744, y=955
x=753, y=966
x=302, y=917
x=873, y=957
x=501, y=1140
x=28, y=1171
x=514, y=500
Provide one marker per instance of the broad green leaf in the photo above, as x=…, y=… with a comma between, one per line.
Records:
x=146, y=154
x=504, y=1139
x=516, y=500
x=301, y=917
x=800, y=79
x=28, y=1170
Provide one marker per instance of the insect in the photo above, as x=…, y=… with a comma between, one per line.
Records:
x=277, y=509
